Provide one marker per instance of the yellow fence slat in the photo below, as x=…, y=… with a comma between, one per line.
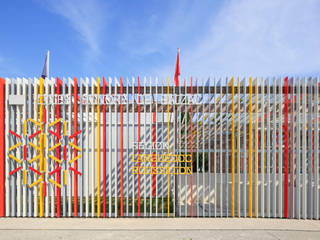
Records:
x=55, y=183
x=41, y=146
x=55, y=122
x=233, y=151
x=55, y=146
x=76, y=158
x=15, y=158
x=25, y=177
x=15, y=146
x=34, y=121
x=35, y=158
x=75, y=146
x=55, y=158
x=35, y=183
x=34, y=146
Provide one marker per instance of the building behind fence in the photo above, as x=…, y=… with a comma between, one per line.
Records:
x=139, y=148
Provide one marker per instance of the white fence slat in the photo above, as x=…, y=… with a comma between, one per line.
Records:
x=110, y=151
x=316, y=150
x=93, y=146
x=268, y=149
x=304, y=153
x=87, y=165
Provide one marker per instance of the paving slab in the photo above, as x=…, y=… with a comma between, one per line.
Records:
x=152, y=228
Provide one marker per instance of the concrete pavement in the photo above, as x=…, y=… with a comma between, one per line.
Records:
x=157, y=228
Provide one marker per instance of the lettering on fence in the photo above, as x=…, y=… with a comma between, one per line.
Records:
x=162, y=158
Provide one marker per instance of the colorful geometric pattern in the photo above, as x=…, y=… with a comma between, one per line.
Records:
x=50, y=152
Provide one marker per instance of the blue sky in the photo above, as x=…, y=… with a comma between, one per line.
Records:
x=131, y=38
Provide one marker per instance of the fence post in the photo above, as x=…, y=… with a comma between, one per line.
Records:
x=2, y=147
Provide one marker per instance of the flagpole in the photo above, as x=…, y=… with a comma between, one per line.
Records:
x=45, y=70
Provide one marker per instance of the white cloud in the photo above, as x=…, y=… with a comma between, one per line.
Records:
x=85, y=17
x=254, y=37
x=164, y=29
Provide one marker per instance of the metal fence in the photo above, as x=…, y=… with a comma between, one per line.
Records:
x=212, y=148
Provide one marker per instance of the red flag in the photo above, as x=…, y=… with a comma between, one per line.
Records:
x=177, y=74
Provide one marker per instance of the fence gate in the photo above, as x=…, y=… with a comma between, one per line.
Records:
x=147, y=148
